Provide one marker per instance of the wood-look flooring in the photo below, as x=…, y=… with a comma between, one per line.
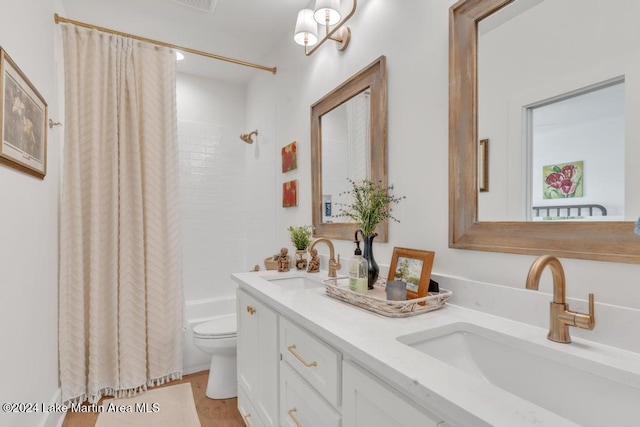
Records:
x=212, y=413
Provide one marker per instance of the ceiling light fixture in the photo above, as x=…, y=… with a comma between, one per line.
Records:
x=326, y=14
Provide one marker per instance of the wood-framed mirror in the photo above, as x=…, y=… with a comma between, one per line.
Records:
x=613, y=241
x=348, y=142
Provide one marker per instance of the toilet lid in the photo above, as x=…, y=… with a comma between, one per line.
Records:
x=219, y=328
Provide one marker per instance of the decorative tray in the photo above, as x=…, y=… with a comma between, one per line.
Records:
x=376, y=299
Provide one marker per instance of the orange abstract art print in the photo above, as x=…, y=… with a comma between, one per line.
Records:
x=289, y=157
x=290, y=194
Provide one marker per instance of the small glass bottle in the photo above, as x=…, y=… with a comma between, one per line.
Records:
x=358, y=271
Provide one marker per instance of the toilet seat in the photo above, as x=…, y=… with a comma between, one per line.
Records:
x=223, y=327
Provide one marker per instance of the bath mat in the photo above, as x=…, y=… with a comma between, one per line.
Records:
x=171, y=406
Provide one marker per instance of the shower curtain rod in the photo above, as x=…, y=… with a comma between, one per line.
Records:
x=58, y=19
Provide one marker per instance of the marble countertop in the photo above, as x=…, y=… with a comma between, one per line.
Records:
x=370, y=339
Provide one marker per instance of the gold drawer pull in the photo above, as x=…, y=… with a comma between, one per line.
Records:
x=246, y=420
x=250, y=309
x=292, y=350
x=293, y=417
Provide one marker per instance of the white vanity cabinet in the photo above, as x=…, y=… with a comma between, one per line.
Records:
x=258, y=358
x=289, y=377
x=367, y=402
x=310, y=379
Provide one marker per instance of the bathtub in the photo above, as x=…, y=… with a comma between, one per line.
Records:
x=198, y=311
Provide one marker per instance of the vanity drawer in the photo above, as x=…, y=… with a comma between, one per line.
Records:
x=300, y=405
x=247, y=410
x=315, y=361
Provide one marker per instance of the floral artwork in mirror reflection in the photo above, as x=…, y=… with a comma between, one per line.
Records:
x=563, y=180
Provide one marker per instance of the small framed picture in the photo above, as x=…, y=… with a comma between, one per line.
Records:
x=290, y=157
x=23, y=120
x=412, y=266
x=290, y=194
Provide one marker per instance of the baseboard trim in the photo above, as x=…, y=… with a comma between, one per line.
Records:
x=198, y=368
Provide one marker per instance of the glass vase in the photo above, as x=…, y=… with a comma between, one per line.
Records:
x=300, y=259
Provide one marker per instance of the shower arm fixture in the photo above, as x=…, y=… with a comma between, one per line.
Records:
x=246, y=137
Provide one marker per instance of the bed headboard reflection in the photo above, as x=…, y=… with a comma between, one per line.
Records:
x=569, y=211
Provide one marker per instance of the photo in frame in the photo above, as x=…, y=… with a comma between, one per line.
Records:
x=412, y=266
x=290, y=157
x=23, y=120
x=290, y=194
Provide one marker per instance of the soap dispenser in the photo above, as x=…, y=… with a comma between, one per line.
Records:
x=358, y=269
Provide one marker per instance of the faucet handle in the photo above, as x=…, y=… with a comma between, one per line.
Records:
x=587, y=321
x=337, y=263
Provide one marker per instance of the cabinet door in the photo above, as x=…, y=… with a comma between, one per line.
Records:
x=258, y=356
x=367, y=402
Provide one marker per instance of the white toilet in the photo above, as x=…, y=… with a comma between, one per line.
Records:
x=218, y=338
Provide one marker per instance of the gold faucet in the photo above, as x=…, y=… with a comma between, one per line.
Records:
x=561, y=317
x=333, y=264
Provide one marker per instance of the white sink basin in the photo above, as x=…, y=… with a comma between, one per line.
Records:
x=296, y=282
x=584, y=391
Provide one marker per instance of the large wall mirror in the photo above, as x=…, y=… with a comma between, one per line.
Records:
x=548, y=84
x=348, y=142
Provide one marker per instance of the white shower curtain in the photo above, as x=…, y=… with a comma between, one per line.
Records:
x=359, y=137
x=120, y=297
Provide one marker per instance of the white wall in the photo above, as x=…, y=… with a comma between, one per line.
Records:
x=29, y=231
x=414, y=37
x=211, y=116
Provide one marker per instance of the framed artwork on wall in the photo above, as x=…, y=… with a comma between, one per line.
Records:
x=412, y=266
x=290, y=194
x=289, y=157
x=23, y=121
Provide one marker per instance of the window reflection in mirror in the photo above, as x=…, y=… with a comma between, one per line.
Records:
x=573, y=70
x=577, y=157
x=345, y=152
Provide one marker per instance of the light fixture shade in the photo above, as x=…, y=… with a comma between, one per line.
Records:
x=322, y=6
x=306, y=26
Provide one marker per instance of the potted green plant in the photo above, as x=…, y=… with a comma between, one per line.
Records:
x=370, y=204
x=301, y=238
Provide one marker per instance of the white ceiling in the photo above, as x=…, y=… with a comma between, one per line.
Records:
x=249, y=30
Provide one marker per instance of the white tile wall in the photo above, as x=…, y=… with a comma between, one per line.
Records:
x=212, y=182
